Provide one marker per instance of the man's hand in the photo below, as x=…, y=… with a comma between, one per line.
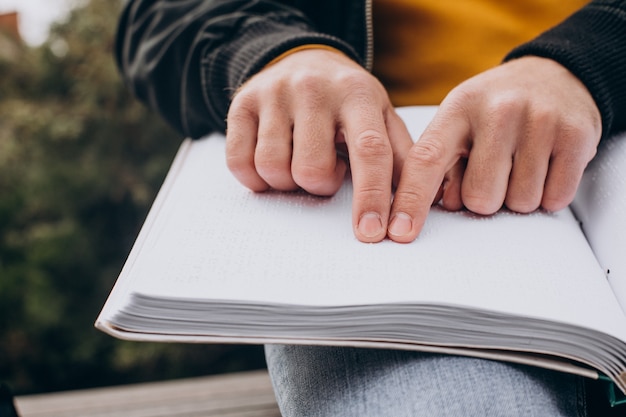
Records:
x=286, y=123
x=520, y=134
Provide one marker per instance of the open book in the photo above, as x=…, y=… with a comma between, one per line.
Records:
x=215, y=262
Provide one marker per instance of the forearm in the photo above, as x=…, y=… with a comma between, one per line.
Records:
x=592, y=45
x=186, y=59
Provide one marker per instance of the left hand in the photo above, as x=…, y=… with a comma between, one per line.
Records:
x=520, y=135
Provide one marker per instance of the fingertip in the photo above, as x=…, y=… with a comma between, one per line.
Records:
x=321, y=181
x=555, y=204
x=370, y=228
x=483, y=202
x=252, y=181
x=244, y=171
x=482, y=206
x=561, y=184
x=522, y=206
x=451, y=196
x=259, y=188
x=401, y=228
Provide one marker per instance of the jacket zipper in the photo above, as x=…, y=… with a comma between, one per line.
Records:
x=369, y=41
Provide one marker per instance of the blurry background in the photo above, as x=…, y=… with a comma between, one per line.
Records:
x=80, y=163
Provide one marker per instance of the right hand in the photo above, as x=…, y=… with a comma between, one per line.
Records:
x=286, y=123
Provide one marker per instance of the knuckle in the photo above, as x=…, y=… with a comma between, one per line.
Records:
x=498, y=114
x=272, y=166
x=480, y=204
x=310, y=175
x=427, y=153
x=311, y=90
x=238, y=162
x=552, y=204
x=371, y=144
x=503, y=104
x=522, y=205
x=410, y=198
x=307, y=81
x=361, y=89
x=237, y=120
x=575, y=146
x=371, y=195
x=462, y=97
x=542, y=115
x=557, y=200
x=356, y=81
x=266, y=156
x=574, y=132
x=373, y=191
x=243, y=103
x=258, y=92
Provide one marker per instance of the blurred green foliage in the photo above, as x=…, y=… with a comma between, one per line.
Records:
x=80, y=163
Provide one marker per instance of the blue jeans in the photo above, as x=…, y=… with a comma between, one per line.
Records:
x=335, y=381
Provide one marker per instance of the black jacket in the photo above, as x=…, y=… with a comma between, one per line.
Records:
x=185, y=58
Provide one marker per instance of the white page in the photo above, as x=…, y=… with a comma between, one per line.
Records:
x=601, y=207
x=215, y=239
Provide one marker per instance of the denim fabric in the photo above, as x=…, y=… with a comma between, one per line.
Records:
x=336, y=381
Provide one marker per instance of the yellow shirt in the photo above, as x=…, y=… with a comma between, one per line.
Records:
x=423, y=48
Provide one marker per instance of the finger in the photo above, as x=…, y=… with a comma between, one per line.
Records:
x=315, y=165
x=486, y=177
x=451, y=189
x=371, y=162
x=561, y=185
x=443, y=142
x=439, y=194
x=273, y=154
x=564, y=175
x=241, y=137
x=400, y=140
x=530, y=168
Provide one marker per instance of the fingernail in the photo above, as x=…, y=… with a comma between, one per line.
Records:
x=370, y=224
x=401, y=224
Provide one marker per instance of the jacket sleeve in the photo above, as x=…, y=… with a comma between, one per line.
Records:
x=185, y=59
x=592, y=45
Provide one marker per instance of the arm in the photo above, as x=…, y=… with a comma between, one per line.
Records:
x=186, y=59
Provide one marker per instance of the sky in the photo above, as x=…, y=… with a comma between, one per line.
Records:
x=35, y=16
